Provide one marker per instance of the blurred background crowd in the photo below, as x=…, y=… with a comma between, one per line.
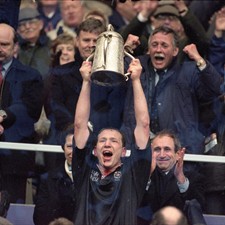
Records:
x=40, y=83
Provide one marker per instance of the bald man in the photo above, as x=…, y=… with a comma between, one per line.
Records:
x=169, y=215
x=20, y=108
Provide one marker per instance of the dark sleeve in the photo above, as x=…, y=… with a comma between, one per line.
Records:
x=82, y=159
x=209, y=84
x=42, y=215
x=217, y=54
x=141, y=164
x=135, y=27
x=62, y=115
x=195, y=32
x=196, y=188
x=28, y=99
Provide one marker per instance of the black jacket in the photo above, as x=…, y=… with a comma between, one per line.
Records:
x=164, y=191
x=54, y=197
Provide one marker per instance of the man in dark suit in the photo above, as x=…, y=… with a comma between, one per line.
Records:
x=55, y=194
x=20, y=107
x=168, y=184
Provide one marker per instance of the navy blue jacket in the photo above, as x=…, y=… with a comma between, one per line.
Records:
x=217, y=54
x=184, y=89
x=21, y=98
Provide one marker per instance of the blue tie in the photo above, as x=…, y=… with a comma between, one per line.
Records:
x=154, y=120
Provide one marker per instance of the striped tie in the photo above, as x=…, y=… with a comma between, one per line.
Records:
x=154, y=121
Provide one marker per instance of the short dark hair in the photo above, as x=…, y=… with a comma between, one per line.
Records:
x=166, y=30
x=64, y=134
x=112, y=128
x=91, y=25
x=171, y=134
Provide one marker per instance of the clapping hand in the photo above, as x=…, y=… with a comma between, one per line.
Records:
x=178, y=172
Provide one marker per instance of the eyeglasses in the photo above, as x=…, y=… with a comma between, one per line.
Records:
x=167, y=17
x=31, y=22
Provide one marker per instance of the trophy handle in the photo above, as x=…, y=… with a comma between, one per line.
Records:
x=90, y=57
x=132, y=57
x=128, y=54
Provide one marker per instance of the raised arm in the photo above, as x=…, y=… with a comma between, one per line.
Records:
x=82, y=113
x=141, y=131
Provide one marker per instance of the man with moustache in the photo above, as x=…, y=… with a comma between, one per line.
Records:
x=175, y=91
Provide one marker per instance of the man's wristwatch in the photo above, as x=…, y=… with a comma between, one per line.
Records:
x=3, y=114
x=201, y=62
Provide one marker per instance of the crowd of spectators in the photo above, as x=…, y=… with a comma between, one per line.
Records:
x=181, y=48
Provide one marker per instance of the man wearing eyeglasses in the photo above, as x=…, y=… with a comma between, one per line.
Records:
x=173, y=14
x=34, y=51
x=34, y=43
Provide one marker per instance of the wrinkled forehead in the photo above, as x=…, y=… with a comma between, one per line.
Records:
x=163, y=141
x=161, y=36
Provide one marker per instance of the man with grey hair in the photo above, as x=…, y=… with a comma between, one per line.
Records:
x=72, y=13
x=175, y=91
x=169, y=184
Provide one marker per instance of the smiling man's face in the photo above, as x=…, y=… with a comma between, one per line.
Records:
x=109, y=149
x=162, y=50
x=163, y=151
